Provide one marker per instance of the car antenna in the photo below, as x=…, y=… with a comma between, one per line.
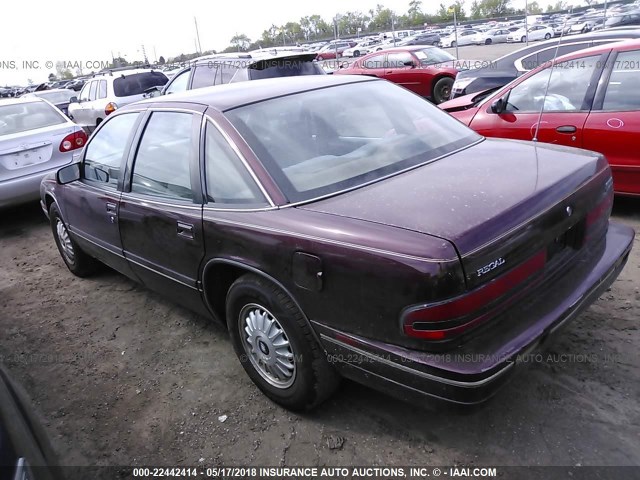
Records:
x=546, y=90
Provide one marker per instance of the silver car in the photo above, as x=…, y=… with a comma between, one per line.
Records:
x=104, y=93
x=35, y=139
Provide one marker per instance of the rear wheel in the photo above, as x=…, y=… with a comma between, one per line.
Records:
x=76, y=260
x=275, y=345
x=442, y=90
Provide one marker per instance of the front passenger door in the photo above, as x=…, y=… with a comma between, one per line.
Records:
x=161, y=207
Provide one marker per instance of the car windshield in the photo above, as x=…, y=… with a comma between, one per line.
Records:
x=433, y=55
x=283, y=67
x=327, y=140
x=137, y=83
x=57, y=97
x=22, y=117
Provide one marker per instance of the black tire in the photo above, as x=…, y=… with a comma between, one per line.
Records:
x=523, y=39
x=356, y=53
x=547, y=36
x=442, y=90
x=312, y=378
x=79, y=263
x=488, y=41
x=320, y=58
x=453, y=44
x=435, y=44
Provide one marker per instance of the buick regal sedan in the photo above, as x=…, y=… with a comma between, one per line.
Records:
x=334, y=236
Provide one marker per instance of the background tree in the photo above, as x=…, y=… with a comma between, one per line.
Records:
x=534, y=8
x=240, y=41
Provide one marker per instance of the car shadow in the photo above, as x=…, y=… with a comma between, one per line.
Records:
x=15, y=220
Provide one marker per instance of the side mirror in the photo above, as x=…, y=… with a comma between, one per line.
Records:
x=499, y=106
x=73, y=100
x=68, y=174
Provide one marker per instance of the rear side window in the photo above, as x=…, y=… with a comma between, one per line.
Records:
x=102, y=90
x=283, y=68
x=204, y=76
x=228, y=181
x=622, y=90
x=22, y=117
x=162, y=164
x=137, y=83
x=103, y=156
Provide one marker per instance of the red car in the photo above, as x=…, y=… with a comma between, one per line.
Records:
x=425, y=70
x=330, y=50
x=591, y=101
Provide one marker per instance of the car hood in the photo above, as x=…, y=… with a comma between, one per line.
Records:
x=473, y=196
x=463, y=103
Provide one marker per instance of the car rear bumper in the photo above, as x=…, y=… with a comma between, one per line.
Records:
x=24, y=189
x=474, y=372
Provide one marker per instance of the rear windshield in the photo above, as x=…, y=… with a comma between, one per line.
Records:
x=137, y=83
x=283, y=68
x=22, y=117
x=57, y=97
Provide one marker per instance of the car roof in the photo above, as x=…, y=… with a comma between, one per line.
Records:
x=599, y=49
x=233, y=95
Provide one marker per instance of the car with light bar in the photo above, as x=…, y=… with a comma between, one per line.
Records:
x=105, y=92
x=35, y=139
x=334, y=236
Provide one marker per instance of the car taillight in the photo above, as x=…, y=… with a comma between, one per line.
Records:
x=445, y=320
x=110, y=108
x=73, y=141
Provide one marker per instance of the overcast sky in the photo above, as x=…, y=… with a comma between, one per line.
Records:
x=46, y=31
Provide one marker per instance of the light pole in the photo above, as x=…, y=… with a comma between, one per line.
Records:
x=526, y=21
x=455, y=29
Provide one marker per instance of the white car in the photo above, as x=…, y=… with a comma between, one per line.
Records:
x=535, y=32
x=104, y=93
x=361, y=48
x=464, y=37
x=495, y=35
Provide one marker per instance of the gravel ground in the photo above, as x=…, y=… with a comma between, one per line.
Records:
x=119, y=376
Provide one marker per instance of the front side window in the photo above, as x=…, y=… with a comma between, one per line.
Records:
x=622, y=90
x=228, y=181
x=84, y=93
x=162, y=164
x=377, y=61
x=180, y=83
x=104, y=153
x=400, y=60
x=313, y=145
x=92, y=90
x=567, y=89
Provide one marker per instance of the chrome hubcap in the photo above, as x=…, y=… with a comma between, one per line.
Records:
x=267, y=346
x=65, y=241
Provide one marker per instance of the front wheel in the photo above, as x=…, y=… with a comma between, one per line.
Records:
x=453, y=44
x=488, y=41
x=442, y=90
x=547, y=36
x=76, y=260
x=523, y=39
x=275, y=345
x=356, y=53
x=320, y=58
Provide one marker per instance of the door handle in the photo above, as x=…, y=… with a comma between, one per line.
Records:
x=185, y=230
x=567, y=129
x=111, y=208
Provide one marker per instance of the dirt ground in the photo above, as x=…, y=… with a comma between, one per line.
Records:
x=121, y=376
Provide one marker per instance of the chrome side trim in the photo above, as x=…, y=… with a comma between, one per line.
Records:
x=427, y=376
x=162, y=274
x=145, y=199
x=75, y=232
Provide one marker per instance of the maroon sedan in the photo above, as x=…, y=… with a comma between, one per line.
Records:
x=335, y=236
x=427, y=71
x=591, y=100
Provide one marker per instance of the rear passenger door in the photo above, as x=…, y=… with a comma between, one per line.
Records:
x=613, y=124
x=161, y=206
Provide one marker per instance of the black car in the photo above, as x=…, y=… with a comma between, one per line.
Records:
x=503, y=70
x=222, y=69
x=627, y=18
x=76, y=85
x=25, y=452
